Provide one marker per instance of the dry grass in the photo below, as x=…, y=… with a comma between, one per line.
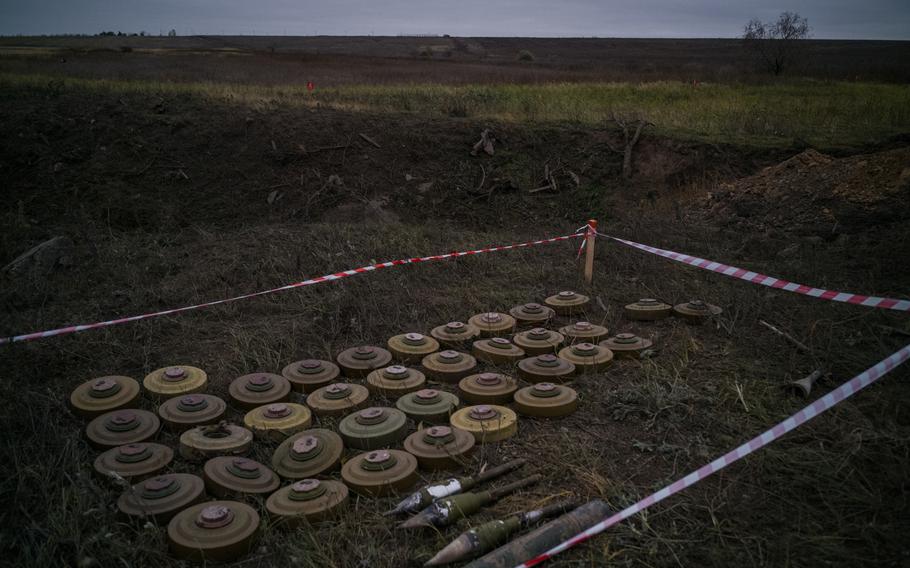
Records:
x=821, y=114
x=833, y=491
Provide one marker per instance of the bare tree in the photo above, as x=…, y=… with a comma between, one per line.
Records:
x=776, y=44
x=631, y=127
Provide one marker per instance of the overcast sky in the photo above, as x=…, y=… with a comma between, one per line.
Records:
x=849, y=19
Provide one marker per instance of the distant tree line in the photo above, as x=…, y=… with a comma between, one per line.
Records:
x=172, y=33
x=122, y=34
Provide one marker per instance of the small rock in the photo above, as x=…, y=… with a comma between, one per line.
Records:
x=425, y=187
x=58, y=167
x=408, y=177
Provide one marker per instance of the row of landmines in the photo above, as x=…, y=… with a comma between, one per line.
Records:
x=225, y=529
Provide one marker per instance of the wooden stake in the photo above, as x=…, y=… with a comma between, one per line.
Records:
x=589, y=253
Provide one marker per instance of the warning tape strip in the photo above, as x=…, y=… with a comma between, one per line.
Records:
x=318, y=280
x=824, y=403
x=770, y=281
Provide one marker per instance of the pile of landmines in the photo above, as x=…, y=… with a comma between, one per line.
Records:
x=477, y=359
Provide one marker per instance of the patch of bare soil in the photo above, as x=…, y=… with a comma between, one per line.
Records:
x=817, y=195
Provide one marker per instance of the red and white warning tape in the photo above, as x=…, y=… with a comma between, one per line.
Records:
x=844, y=391
x=770, y=281
x=311, y=281
x=585, y=231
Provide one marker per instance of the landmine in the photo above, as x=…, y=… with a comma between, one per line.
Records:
x=278, y=421
x=488, y=423
x=545, y=368
x=696, y=312
x=187, y=411
x=358, y=362
x=337, y=399
x=307, y=501
x=373, y=428
x=380, y=472
x=168, y=382
x=203, y=442
x=449, y=366
x=412, y=347
x=455, y=334
x=532, y=314
x=233, y=477
x=583, y=331
x=104, y=394
x=308, y=454
x=546, y=400
x=627, y=345
x=439, y=447
x=493, y=324
x=310, y=374
x=539, y=341
x=250, y=391
x=134, y=462
x=487, y=388
x=120, y=427
x=587, y=356
x=218, y=531
x=648, y=309
x=428, y=405
x=497, y=351
x=160, y=498
x=395, y=381
x=567, y=302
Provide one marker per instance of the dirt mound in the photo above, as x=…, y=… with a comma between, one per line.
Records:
x=815, y=194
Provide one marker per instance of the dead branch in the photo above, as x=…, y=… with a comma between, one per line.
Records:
x=549, y=178
x=894, y=330
x=797, y=343
x=321, y=149
x=631, y=133
x=483, y=178
x=485, y=143
x=487, y=194
x=44, y=255
x=370, y=140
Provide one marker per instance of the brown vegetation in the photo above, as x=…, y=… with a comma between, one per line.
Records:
x=379, y=60
x=170, y=200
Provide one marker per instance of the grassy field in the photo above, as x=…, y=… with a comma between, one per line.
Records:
x=181, y=180
x=822, y=114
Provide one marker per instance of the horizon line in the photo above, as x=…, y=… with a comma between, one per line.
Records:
x=428, y=36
